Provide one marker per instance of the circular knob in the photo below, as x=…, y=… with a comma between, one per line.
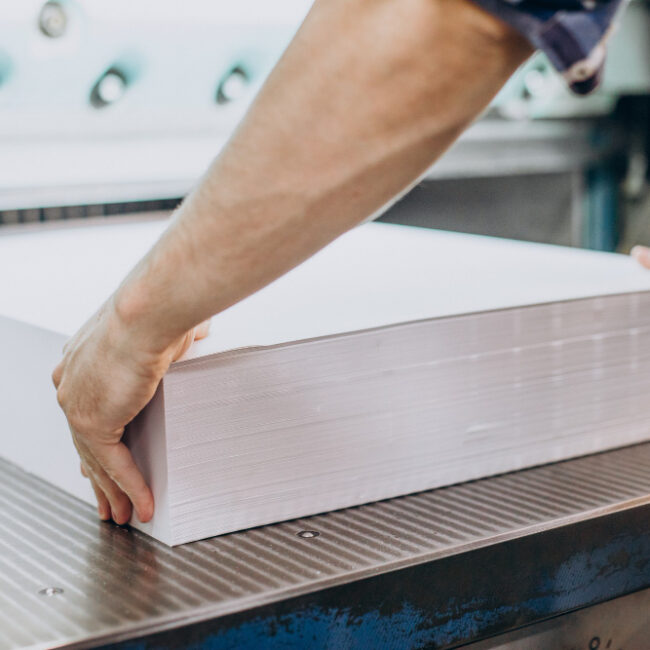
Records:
x=233, y=86
x=52, y=20
x=110, y=88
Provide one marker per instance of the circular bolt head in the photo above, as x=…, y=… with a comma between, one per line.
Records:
x=51, y=591
x=308, y=534
x=232, y=86
x=52, y=20
x=109, y=88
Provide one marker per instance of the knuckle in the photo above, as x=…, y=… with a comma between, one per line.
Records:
x=61, y=397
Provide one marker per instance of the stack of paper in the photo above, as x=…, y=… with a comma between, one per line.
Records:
x=396, y=360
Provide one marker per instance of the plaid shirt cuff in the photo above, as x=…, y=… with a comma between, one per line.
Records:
x=572, y=33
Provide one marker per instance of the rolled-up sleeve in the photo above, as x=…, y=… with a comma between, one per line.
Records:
x=572, y=33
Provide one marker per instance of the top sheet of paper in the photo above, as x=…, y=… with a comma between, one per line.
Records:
x=376, y=275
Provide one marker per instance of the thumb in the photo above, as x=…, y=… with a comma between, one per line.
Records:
x=195, y=334
x=183, y=345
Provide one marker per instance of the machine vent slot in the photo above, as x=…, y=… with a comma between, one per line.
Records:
x=59, y=213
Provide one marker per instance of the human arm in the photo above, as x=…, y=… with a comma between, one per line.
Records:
x=367, y=96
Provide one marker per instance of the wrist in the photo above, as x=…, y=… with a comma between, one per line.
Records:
x=134, y=319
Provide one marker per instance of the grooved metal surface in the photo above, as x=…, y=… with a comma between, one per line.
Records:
x=68, y=579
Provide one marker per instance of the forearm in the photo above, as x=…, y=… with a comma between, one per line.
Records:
x=367, y=96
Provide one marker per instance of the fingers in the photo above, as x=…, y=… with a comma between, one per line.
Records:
x=118, y=504
x=183, y=345
x=103, y=506
x=114, y=499
x=113, y=502
x=195, y=334
x=642, y=255
x=120, y=467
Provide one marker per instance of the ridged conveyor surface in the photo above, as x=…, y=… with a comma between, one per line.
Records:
x=68, y=579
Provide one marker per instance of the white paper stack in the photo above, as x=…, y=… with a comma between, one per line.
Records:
x=396, y=360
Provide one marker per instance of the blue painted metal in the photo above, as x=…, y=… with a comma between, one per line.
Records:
x=447, y=602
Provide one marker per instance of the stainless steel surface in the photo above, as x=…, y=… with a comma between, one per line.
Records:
x=98, y=97
x=495, y=147
x=66, y=578
x=513, y=149
x=76, y=168
x=158, y=139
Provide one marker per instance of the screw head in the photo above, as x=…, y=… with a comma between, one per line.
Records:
x=233, y=86
x=51, y=591
x=53, y=21
x=110, y=88
x=308, y=534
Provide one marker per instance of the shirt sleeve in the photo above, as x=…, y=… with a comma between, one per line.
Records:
x=572, y=33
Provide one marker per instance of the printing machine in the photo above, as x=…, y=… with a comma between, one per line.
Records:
x=109, y=108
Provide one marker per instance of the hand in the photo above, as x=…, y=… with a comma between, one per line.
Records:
x=107, y=376
x=642, y=255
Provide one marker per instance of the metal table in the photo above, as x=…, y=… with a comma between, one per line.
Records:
x=433, y=570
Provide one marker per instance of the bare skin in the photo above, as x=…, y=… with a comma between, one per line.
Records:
x=367, y=96
x=642, y=255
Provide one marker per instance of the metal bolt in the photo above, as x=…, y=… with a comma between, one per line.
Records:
x=51, y=591
x=232, y=86
x=308, y=534
x=110, y=88
x=594, y=644
x=52, y=20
